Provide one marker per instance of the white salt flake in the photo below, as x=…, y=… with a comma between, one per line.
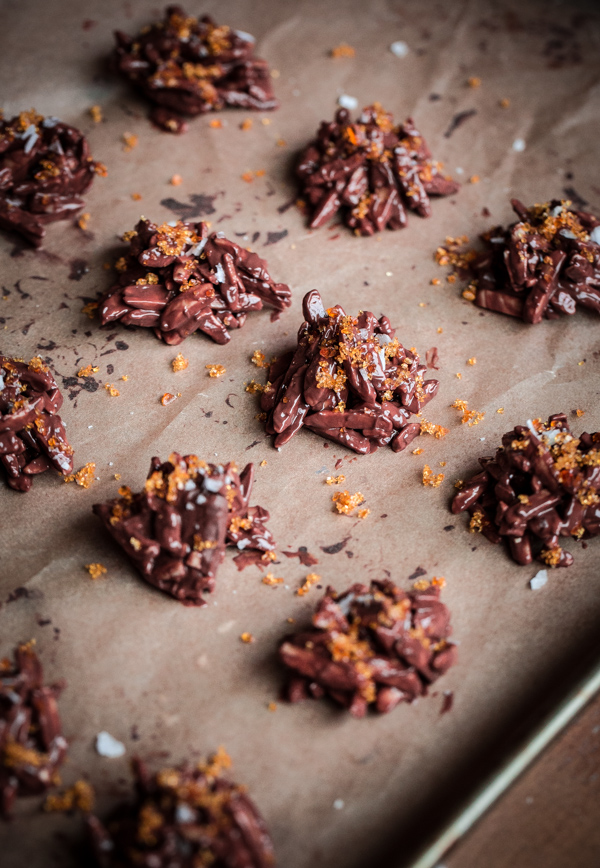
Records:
x=197, y=249
x=220, y=273
x=107, y=745
x=347, y=102
x=518, y=145
x=595, y=235
x=247, y=37
x=539, y=580
x=338, y=804
x=399, y=48
x=184, y=814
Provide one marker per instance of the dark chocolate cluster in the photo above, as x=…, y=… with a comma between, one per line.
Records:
x=371, y=647
x=543, y=484
x=32, y=435
x=370, y=171
x=176, y=529
x=45, y=167
x=188, y=66
x=541, y=266
x=177, y=279
x=32, y=747
x=183, y=817
x=349, y=380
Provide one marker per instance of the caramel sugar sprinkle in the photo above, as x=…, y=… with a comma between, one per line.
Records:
x=470, y=417
x=310, y=580
x=130, y=141
x=83, y=220
x=272, y=580
x=474, y=179
x=417, y=451
x=342, y=50
x=114, y=393
x=430, y=478
x=272, y=706
x=90, y=309
x=335, y=480
x=258, y=359
x=346, y=503
x=84, y=476
x=176, y=180
x=88, y=371
x=472, y=361
x=96, y=570
x=136, y=197
x=215, y=370
x=246, y=124
x=215, y=123
x=435, y=281
x=474, y=81
x=96, y=114
x=504, y=102
x=363, y=513
x=167, y=399
x=78, y=797
x=248, y=638
x=179, y=363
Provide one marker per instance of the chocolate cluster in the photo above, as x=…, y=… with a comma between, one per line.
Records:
x=370, y=171
x=176, y=529
x=543, y=484
x=349, y=380
x=371, y=647
x=177, y=279
x=541, y=266
x=32, y=435
x=188, y=66
x=32, y=747
x=45, y=167
x=183, y=817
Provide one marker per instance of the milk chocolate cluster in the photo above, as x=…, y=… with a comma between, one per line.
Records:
x=543, y=484
x=370, y=171
x=32, y=435
x=349, y=380
x=183, y=818
x=32, y=747
x=177, y=279
x=45, y=167
x=189, y=66
x=176, y=529
x=371, y=647
x=541, y=266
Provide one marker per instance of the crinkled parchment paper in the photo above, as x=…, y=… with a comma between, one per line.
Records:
x=172, y=682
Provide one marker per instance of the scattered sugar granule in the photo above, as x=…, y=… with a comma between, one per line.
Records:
x=430, y=478
x=179, y=363
x=215, y=370
x=96, y=570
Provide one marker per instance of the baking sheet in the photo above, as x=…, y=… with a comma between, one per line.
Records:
x=170, y=681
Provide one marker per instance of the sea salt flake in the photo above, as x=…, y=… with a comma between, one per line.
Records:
x=539, y=580
x=338, y=804
x=595, y=235
x=348, y=102
x=399, y=48
x=518, y=145
x=108, y=746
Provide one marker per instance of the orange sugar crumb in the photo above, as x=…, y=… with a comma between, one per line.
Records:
x=346, y=503
x=443, y=463
x=435, y=281
x=136, y=197
x=106, y=266
x=247, y=638
x=291, y=620
x=90, y=309
x=459, y=484
x=84, y=220
x=179, y=363
x=246, y=124
x=130, y=141
x=218, y=763
x=176, y=180
x=265, y=121
x=271, y=579
x=254, y=387
x=95, y=570
x=363, y=513
x=117, y=476
x=417, y=451
x=260, y=173
x=281, y=143
x=310, y=580
x=79, y=797
x=474, y=179
x=121, y=264
x=580, y=412
x=422, y=304
x=459, y=376
x=215, y=370
x=248, y=177
x=504, y=102
x=500, y=410
x=114, y=393
x=215, y=123
x=272, y=706
x=101, y=170
x=342, y=50
x=472, y=361
x=440, y=330
x=470, y=417
x=474, y=81
x=551, y=556
x=263, y=463
x=88, y=371
x=335, y=480
x=582, y=362
x=275, y=73
x=438, y=431
x=451, y=278
x=258, y=359
x=430, y=478
x=84, y=476
x=96, y=114
x=167, y=399
x=125, y=377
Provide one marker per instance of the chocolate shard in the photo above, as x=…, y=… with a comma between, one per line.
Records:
x=45, y=168
x=371, y=647
x=183, y=817
x=543, y=484
x=188, y=66
x=349, y=380
x=32, y=435
x=177, y=279
x=369, y=172
x=540, y=267
x=32, y=747
x=175, y=531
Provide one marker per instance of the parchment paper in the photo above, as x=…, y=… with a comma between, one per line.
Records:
x=172, y=682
